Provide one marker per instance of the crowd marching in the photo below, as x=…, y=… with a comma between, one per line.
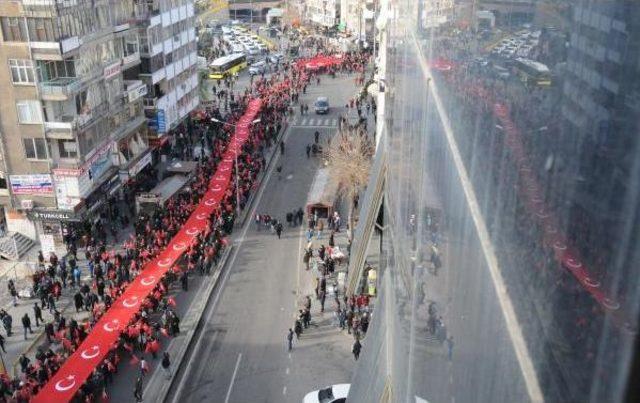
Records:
x=111, y=271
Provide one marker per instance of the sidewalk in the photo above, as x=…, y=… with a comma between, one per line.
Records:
x=20, y=273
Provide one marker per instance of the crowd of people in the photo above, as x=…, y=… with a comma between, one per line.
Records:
x=111, y=271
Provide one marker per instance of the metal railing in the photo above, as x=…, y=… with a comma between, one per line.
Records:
x=65, y=86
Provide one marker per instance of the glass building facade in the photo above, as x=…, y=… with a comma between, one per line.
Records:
x=511, y=207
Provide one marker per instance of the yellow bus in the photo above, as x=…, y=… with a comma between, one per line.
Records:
x=227, y=65
x=533, y=73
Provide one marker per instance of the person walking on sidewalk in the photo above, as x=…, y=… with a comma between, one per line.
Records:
x=290, y=339
x=450, y=347
x=356, y=349
x=13, y=292
x=279, y=229
x=24, y=362
x=137, y=391
x=7, y=321
x=26, y=325
x=2, y=344
x=37, y=312
x=166, y=365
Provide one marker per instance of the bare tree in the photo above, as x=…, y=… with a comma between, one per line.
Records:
x=348, y=158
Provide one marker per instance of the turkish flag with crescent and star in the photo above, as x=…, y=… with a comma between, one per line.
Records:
x=90, y=354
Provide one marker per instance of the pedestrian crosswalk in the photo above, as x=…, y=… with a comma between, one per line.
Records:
x=312, y=121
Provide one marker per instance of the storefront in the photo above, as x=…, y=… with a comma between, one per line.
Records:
x=51, y=226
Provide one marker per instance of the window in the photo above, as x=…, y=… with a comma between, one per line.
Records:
x=29, y=112
x=68, y=149
x=41, y=30
x=35, y=148
x=13, y=29
x=21, y=71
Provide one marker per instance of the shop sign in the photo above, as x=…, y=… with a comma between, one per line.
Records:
x=137, y=92
x=139, y=166
x=51, y=215
x=68, y=203
x=112, y=70
x=161, y=121
x=39, y=184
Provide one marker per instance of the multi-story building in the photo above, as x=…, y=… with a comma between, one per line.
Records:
x=87, y=83
x=70, y=122
x=435, y=13
x=357, y=17
x=509, y=12
x=252, y=11
x=168, y=62
x=325, y=13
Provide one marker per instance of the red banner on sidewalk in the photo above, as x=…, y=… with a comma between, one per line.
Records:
x=90, y=354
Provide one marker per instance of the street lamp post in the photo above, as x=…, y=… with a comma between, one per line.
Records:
x=235, y=161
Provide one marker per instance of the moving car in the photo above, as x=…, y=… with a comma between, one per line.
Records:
x=276, y=58
x=258, y=68
x=321, y=105
x=331, y=394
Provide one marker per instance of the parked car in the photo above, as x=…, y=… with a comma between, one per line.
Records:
x=258, y=68
x=321, y=105
x=331, y=394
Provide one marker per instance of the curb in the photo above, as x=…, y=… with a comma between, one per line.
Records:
x=194, y=319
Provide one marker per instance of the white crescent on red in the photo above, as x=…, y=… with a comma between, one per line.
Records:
x=87, y=356
x=126, y=302
x=61, y=386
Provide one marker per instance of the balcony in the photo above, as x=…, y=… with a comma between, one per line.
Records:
x=134, y=89
x=130, y=60
x=62, y=129
x=60, y=89
x=144, y=11
x=59, y=3
x=150, y=102
x=54, y=50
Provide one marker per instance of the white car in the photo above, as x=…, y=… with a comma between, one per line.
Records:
x=275, y=58
x=258, y=68
x=331, y=394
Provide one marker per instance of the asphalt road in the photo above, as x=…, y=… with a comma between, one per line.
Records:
x=242, y=354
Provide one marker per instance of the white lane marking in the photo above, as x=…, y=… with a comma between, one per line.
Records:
x=233, y=378
x=303, y=122
x=289, y=355
x=289, y=177
x=287, y=371
x=312, y=122
x=334, y=122
x=284, y=390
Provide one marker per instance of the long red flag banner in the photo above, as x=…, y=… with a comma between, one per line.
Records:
x=90, y=354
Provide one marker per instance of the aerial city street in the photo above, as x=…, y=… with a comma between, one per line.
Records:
x=319, y=201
